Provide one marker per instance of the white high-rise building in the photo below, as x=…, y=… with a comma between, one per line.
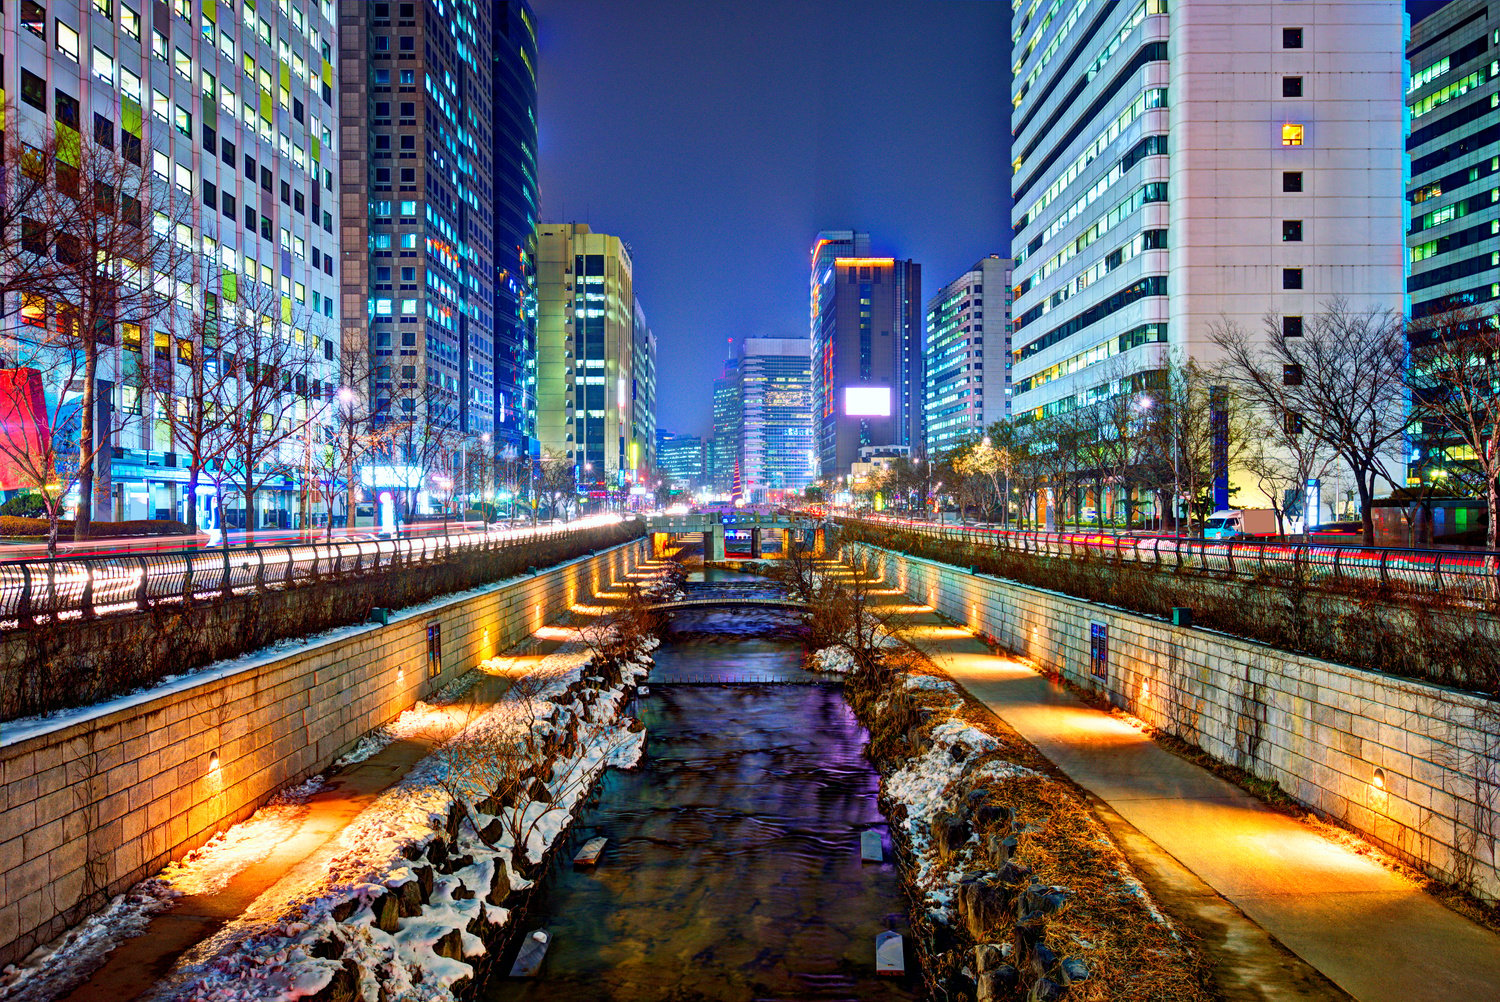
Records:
x=1180, y=164
x=966, y=356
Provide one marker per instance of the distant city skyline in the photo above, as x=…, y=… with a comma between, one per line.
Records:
x=718, y=174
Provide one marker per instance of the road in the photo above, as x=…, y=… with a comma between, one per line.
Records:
x=113, y=579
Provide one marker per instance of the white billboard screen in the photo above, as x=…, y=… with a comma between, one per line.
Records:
x=867, y=401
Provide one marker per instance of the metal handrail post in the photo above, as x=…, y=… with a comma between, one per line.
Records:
x=88, y=591
x=140, y=586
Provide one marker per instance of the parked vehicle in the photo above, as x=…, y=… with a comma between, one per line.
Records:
x=1245, y=523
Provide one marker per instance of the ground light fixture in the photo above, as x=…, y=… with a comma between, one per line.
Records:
x=213, y=761
x=1378, y=780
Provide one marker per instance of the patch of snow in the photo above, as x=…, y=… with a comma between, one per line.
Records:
x=928, y=683
x=926, y=786
x=267, y=952
x=837, y=659
x=53, y=970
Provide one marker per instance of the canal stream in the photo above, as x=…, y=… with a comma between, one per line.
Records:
x=733, y=869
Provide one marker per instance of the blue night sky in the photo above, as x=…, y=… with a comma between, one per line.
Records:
x=718, y=138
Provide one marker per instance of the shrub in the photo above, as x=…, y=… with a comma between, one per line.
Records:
x=11, y=525
x=28, y=505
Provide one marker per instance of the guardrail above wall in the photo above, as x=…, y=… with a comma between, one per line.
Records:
x=1468, y=576
x=87, y=586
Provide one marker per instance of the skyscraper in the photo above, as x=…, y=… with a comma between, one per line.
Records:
x=966, y=363
x=679, y=460
x=586, y=351
x=514, y=190
x=1453, y=142
x=866, y=339
x=642, y=444
x=1172, y=170
x=442, y=192
x=775, y=446
x=229, y=114
x=724, y=454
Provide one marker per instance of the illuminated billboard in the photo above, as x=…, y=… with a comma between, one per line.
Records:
x=867, y=401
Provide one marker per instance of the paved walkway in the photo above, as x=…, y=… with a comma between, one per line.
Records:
x=1368, y=930
x=139, y=964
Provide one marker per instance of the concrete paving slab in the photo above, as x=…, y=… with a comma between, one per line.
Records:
x=1369, y=930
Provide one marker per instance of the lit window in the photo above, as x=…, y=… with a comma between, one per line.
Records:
x=67, y=41
x=130, y=22
x=160, y=105
x=1291, y=135
x=104, y=65
x=184, y=64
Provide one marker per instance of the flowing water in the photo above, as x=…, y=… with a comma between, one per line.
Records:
x=732, y=870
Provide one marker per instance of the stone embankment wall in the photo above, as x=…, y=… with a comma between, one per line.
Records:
x=98, y=798
x=1413, y=767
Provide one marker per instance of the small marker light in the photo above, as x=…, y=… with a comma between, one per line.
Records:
x=1378, y=780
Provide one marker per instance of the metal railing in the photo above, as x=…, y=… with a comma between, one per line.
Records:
x=86, y=586
x=1468, y=576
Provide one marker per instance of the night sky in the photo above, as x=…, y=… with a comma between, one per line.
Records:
x=718, y=138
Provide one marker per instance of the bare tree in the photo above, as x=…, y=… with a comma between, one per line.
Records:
x=267, y=386
x=1454, y=379
x=558, y=484
x=185, y=396
x=1181, y=434
x=353, y=429
x=1343, y=380
x=426, y=440
x=104, y=248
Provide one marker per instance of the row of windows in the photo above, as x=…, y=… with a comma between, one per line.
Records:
x=1152, y=285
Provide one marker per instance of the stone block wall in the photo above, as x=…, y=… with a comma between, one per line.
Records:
x=95, y=799
x=1414, y=767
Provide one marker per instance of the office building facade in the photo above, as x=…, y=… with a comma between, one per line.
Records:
x=775, y=447
x=1180, y=165
x=866, y=349
x=438, y=113
x=642, y=445
x=515, y=197
x=586, y=338
x=679, y=461
x=724, y=451
x=966, y=356
x=231, y=111
x=1453, y=142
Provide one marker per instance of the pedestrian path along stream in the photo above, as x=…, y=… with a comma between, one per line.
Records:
x=1367, y=929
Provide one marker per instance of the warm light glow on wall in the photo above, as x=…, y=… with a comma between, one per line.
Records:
x=861, y=262
x=1291, y=135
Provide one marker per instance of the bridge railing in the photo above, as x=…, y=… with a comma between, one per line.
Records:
x=86, y=586
x=1467, y=576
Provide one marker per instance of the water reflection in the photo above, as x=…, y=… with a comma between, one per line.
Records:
x=733, y=869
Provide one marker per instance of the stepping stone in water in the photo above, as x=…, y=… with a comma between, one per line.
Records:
x=890, y=954
x=529, y=957
x=589, y=854
x=869, y=847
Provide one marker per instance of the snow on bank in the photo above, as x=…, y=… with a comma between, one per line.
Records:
x=837, y=659
x=281, y=947
x=927, y=785
x=53, y=970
